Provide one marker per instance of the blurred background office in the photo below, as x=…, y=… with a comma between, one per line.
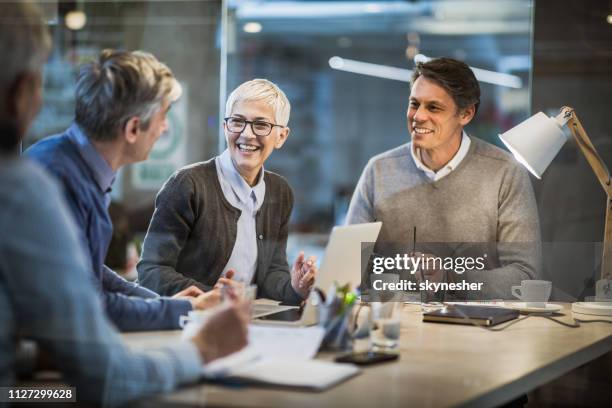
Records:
x=345, y=67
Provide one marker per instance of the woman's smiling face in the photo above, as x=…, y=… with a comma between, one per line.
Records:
x=249, y=151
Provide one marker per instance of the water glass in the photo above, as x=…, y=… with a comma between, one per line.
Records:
x=387, y=323
x=431, y=300
x=360, y=328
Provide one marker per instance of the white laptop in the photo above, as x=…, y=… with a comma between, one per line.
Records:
x=341, y=264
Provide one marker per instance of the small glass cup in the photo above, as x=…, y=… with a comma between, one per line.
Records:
x=242, y=290
x=245, y=292
x=387, y=324
x=430, y=300
x=360, y=328
x=249, y=292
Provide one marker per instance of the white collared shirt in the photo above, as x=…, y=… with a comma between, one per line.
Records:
x=448, y=167
x=247, y=199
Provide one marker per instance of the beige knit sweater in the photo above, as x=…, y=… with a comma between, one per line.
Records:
x=485, y=206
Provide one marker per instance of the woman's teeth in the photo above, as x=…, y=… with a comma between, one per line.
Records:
x=247, y=148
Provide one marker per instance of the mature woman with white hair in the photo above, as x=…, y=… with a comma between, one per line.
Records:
x=228, y=217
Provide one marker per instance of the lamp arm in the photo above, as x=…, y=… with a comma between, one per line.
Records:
x=606, y=260
x=603, y=175
x=588, y=150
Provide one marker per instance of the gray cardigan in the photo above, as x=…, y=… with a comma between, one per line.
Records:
x=193, y=230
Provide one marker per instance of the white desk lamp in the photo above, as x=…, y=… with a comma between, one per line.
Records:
x=535, y=143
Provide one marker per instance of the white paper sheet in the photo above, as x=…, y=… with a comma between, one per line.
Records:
x=311, y=374
x=295, y=343
x=283, y=343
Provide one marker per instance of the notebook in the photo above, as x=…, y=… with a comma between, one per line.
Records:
x=281, y=356
x=312, y=375
x=465, y=314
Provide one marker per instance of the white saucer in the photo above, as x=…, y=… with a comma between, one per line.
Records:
x=593, y=308
x=522, y=307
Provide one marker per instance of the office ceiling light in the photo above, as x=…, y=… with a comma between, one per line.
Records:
x=609, y=19
x=252, y=27
x=498, y=78
x=75, y=20
x=484, y=75
x=401, y=74
x=421, y=58
x=366, y=68
x=300, y=10
x=373, y=8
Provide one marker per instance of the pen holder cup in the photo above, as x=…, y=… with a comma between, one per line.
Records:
x=336, y=324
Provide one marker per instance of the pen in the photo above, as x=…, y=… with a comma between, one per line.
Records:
x=414, y=252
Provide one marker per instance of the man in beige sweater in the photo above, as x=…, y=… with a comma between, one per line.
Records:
x=463, y=196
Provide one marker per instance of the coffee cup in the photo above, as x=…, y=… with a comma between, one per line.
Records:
x=535, y=293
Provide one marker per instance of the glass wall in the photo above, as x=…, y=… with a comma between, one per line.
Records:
x=182, y=34
x=345, y=67
x=573, y=67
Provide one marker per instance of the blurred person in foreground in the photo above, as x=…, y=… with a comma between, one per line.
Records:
x=46, y=291
x=122, y=100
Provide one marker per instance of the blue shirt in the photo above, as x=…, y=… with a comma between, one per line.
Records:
x=102, y=172
x=46, y=294
x=247, y=199
x=86, y=179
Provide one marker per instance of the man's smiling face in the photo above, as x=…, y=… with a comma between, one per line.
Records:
x=434, y=121
x=248, y=151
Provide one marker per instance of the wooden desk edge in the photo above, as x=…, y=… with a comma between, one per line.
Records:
x=541, y=376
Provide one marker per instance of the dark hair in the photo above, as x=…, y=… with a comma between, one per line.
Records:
x=456, y=77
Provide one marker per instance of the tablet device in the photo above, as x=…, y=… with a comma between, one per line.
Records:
x=467, y=314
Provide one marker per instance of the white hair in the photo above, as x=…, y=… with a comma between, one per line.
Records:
x=261, y=90
x=24, y=41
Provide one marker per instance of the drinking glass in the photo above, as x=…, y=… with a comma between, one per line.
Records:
x=430, y=300
x=387, y=323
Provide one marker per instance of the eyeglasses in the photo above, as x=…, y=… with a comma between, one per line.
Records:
x=259, y=127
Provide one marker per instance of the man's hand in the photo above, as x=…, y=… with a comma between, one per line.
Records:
x=191, y=291
x=303, y=274
x=206, y=300
x=224, y=333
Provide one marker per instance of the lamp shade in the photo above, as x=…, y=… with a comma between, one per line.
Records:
x=536, y=141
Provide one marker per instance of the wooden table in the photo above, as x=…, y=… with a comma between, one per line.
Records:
x=440, y=365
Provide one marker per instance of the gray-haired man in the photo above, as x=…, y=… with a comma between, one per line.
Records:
x=122, y=100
